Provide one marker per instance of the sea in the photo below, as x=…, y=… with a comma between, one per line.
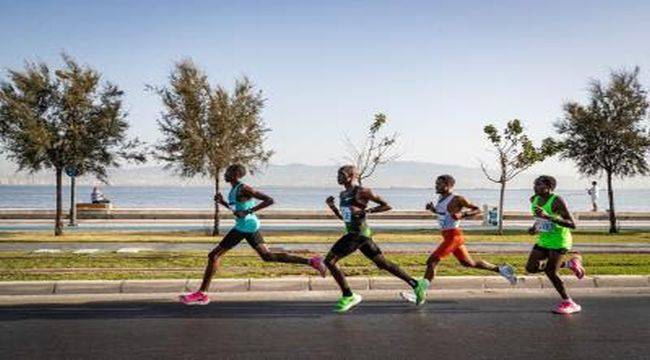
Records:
x=299, y=198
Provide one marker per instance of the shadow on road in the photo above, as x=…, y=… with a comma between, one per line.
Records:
x=234, y=310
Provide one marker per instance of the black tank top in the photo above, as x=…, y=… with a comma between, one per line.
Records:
x=354, y=222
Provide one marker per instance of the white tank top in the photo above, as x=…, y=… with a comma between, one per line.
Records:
x=444, y=216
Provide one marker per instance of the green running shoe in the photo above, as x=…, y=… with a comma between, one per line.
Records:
x=345, y=303
x=421, y=291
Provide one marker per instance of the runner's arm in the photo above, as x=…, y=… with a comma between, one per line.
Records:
x=382, y=205
x=267, y=201
x=219, y=199
x=463, y=203
x=565, y=219
x=330, y=203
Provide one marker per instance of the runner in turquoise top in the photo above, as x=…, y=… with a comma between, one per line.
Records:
x=553, y=223
x=241, y=201
x=248, y=223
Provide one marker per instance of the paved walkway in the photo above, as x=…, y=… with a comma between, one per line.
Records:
x=488, y=247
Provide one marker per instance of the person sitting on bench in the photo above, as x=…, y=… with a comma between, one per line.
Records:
x=97, y=197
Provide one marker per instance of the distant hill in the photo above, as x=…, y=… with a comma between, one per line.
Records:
x=411, y=174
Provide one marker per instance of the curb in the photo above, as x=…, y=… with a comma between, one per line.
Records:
x=307, y=284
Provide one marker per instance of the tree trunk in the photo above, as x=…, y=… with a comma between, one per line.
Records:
x=215, y=228
x=58, y=225
x=501, y=199
x=73, y=207
x=613, y=229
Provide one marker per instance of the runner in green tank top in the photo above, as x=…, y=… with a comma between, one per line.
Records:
x=553, y=224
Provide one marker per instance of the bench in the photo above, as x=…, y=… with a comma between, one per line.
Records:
x=94, y=207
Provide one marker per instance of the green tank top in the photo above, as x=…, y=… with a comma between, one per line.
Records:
x=551, y=235
x=249, y=223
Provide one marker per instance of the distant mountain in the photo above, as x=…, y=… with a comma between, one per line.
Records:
x=397, y=174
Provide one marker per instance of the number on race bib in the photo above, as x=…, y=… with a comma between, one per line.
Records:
x=544, y=225
x=346, y=212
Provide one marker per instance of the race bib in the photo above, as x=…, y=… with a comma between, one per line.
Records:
x=544, y=225
x=445, y=222
x=346, y=212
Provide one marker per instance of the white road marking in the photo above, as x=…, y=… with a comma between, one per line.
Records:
x=47, y=251
x=133, y=249
x=86, y=251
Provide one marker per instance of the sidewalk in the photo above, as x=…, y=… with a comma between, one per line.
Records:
x=479, y=283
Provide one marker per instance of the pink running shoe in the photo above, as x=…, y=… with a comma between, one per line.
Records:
x=575, y=264
x=317, y=263
x=195, y=298
x=567, y=307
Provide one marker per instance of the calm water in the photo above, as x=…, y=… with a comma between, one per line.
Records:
x=42, y=197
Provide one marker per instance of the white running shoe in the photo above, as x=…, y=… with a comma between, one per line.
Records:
x=508, y=272
x=408, y=296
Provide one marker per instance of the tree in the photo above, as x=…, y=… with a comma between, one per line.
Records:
x=515, y=154
x=607, y=135
x=205, y=130
x=66, y=117
x=376, y=149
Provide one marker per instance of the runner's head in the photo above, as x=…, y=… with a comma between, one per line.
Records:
x=347, y=174
x=445, y=184
x=544, y=185
x=234, y=172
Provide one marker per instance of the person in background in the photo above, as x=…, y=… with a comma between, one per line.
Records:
x=97, y=197
x=593, y=193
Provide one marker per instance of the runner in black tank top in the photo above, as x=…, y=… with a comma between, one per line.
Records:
x=353, y=208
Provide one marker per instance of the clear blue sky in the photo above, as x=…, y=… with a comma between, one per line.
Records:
x=440, y=70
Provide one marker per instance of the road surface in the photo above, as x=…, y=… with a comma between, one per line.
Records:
x=458, y=325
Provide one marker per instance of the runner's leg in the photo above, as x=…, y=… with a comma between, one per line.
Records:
x=536, y=260
x=466, y=260
x=280, y=257
x=551, y=270
x=372, y=252
x=232, y=238
x=345, y=246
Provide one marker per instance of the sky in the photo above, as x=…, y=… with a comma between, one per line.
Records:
x=440, y=70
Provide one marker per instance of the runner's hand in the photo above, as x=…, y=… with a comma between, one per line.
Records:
x=218, y=198
x=539, y=212
x=457, y=216
x=330, y=201
x=532, y=230
x=430, y=206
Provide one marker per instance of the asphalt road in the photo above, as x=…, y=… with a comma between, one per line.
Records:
x=611, y=326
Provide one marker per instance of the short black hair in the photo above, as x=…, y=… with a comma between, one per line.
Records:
x=548, y=180
x=351, y=170
x=238, y=169
x=447, y=179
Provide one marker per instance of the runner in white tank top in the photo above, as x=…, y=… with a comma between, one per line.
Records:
x=450, y=209
x=445, y=218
